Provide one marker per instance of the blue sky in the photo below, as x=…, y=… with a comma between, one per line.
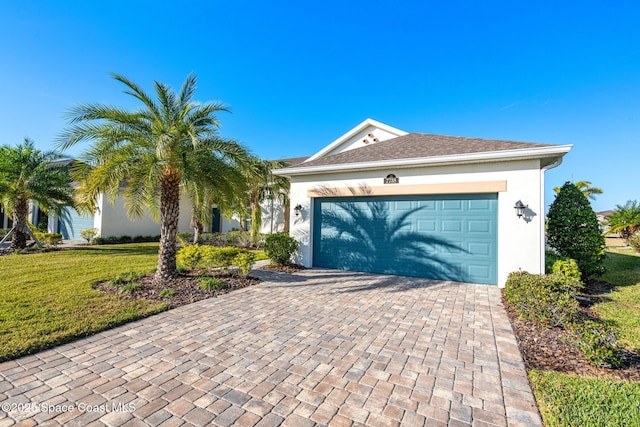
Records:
x=297, y=75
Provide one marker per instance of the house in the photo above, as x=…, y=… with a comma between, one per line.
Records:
x=379, y=199
x=112, y=220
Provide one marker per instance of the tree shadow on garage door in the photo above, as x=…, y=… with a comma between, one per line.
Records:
x=364, y=236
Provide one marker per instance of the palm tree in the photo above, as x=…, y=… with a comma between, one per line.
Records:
x=28, y=174
x=149, y=154
x=226, y=189
x=586, y=189
x=625, y=220
x=263, y=185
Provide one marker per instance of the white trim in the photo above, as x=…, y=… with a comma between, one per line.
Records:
x=352, y=132
x=543, y=235
x=518, y=154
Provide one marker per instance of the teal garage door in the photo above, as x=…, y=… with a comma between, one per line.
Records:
x=439, y=237
x=73, y=223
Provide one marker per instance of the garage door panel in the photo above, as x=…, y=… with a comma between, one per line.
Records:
x=442, y=237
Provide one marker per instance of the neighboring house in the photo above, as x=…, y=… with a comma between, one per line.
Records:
x=112, y=220
x=383, y=200
x=5, y=221
x=602, y=220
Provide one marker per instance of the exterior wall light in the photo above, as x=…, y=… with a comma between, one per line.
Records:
x=297, y=210
x=520, y=207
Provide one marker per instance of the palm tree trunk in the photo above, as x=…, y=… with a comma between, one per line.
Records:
x=169, y=215
x=287, y=217
x=19, y=238
x=256, y=214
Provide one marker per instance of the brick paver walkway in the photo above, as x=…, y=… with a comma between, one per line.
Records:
x=318, y=347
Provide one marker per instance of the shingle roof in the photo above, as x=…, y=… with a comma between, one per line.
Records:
x=293, y=161
x=419, y=145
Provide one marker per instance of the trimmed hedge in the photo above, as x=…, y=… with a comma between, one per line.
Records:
x=549, y=300
x=197, y=256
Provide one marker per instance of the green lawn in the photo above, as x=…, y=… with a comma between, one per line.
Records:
x=47, y=299
x=623, y=306
x=567, y=400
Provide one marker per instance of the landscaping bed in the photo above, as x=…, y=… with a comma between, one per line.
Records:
x=551, y=349
x=180, y=290
x=289, y=268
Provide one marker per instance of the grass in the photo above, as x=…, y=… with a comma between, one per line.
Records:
x=622, y=306
x=47, y=299
x=568, y=400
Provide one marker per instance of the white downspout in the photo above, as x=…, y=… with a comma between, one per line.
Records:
x=543, y=236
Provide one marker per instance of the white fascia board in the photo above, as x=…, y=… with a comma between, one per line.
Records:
x=352, y=132
x=503, y=155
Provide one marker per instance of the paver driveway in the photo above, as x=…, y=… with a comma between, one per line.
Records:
x=320, y=346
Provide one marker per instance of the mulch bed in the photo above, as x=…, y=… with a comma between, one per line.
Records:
x=290, y=268
x=186, y=287
x=552, y=350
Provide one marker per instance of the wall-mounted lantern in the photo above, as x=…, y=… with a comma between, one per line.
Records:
x=297, y=210
x=520, y=208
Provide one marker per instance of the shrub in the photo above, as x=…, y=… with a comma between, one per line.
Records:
x=573, y=231
x=99, y=241
x=550, y=259
x=634, y=241
x=547, y=300
x=244, y=261
x=203, y=256
x=89, y=234
x=112, y=240
x=280, y=247
x=598, y=343
x=125, y=239
x=185, y=237
x=567, y=267
x=49, y=239
x=190, y=256
x=222, y=257
x=210, y=284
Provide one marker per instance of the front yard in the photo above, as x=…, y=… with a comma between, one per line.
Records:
x=49, y=298
x=568, y=396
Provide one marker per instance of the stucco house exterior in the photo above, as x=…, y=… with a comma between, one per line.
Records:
x=383, y=200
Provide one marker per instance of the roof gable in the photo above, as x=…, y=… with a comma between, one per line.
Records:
x=367, y=133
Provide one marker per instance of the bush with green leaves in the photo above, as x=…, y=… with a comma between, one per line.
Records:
x=550, y=259
x=573, y=231
x=190, y=256
x=244, y=261
x=280, y=247
x=634, y=241
x=567, y=267
x=545, y=299
x=598, y=343
x=48, y=239
x=208, y=257
x=89, y=234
